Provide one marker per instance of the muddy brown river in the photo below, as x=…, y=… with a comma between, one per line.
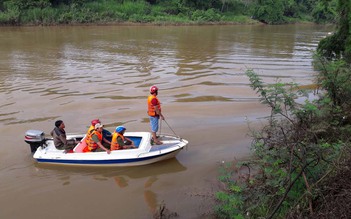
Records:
x=80, y=73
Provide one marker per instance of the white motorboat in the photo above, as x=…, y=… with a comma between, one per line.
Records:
x=145, y=152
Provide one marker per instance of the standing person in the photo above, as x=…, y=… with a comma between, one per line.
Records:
x=94, y=140
x=154, y=112
x=119, y=141
x=59, y=136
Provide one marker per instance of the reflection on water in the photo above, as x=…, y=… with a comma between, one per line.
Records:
x=122, y=176
x=150, y=197
x=67, y=62
x=121, y=181
x=164, y=167
x=151, y=200
x=71, y=65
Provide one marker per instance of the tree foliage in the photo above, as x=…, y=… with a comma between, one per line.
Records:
x=324, y=11
x=296, y=149
x=270, y=11
x=17, y=12
x=338, y=45
x=302, y=146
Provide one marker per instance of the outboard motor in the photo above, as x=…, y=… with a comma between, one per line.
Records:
x=35, y=139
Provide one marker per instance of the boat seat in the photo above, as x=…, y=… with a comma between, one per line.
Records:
x=80, y=147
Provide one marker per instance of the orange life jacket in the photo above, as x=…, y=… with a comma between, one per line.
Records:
x=151, y=108
x=91, y=144
x=91, y=128
x=114, y=142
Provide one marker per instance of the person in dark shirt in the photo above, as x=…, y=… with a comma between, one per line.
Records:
x=59, y=136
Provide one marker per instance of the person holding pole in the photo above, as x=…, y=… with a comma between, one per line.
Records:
x=154, y=112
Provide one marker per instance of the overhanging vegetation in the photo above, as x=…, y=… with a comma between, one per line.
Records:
x=303, y=148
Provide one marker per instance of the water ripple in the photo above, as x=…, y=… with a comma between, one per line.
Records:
x=120, y=67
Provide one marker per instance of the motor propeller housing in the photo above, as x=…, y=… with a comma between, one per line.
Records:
x=35, y=138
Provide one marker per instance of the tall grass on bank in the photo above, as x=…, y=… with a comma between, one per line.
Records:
x=110, y=11
x=299, y=147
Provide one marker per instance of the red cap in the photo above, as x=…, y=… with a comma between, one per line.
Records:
x=95, y=121
x=153, y=89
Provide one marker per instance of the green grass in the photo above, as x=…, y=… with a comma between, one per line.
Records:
x=107, y=11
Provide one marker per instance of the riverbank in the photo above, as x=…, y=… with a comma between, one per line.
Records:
x=107, y=12
x=299, y=155
x=142, y=24
x=19, y=13
x=240, y=21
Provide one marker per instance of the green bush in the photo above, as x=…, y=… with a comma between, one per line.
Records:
x=87, y=11
x=30, y=4
x=140, y=18
x=325, y=11
x=270, y=12
x=169, y=7
x=211, y=15
x=131, y=8
x=292, y=153
x=11, y=15
x=334, y=78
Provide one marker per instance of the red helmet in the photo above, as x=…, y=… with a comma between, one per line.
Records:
x=95, y=121
x=153, y=89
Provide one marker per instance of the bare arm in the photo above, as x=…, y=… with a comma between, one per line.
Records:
x=131, y=142
x=157, y=110
x=103, y=148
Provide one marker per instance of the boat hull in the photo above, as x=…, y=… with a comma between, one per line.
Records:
x=111, y=162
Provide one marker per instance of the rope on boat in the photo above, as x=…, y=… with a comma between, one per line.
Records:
x=169, y=128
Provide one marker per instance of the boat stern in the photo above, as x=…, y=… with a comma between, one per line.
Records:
x=35, y=139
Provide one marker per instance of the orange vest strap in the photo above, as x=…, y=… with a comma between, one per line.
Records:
x=91, y=144
x=151, y=108
x=114, y=142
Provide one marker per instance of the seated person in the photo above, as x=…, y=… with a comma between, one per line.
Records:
x=59, y=136
x=94, y=140
x=119, y=141
x=92, y=126
x=105, y=133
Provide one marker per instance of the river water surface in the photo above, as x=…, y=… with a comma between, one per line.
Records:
x=80, y=73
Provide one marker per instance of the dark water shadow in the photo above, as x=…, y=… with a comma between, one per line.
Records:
x=122, y=176
x=163, y=167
